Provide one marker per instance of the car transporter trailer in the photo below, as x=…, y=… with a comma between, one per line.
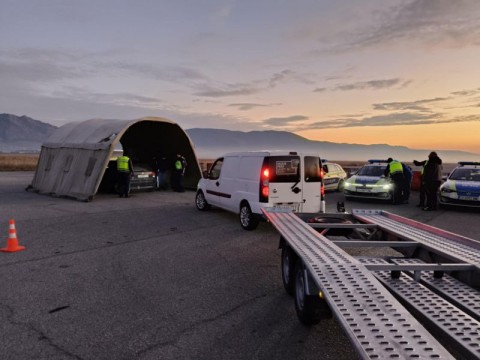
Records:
x=419, y=301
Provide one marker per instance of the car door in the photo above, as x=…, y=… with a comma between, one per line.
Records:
x=213, y=195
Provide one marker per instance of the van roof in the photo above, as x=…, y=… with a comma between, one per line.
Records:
x=268, y=153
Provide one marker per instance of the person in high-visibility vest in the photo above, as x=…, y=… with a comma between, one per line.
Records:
x=394, y=170
x=125, y=171
x=179, y=168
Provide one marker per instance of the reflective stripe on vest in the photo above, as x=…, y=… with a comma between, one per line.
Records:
x=122, y=164
x=396, y=167
x=178, y=165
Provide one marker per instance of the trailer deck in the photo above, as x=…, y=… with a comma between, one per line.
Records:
x=390, y=307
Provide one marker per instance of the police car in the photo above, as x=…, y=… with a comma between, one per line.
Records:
x=462, y=187
x=369, y=182
x=334, y=176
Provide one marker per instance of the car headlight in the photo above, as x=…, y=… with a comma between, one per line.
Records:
x=447, y=190
x=387, y=186
x=348, y=185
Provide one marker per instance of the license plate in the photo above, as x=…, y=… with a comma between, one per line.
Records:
x=286, y=207
x=473, y=198
x=142, y=176
x=364, y=190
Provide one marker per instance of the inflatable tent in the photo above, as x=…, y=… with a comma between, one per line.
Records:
x=73, y=160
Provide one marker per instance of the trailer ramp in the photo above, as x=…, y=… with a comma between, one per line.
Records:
x=377, y=324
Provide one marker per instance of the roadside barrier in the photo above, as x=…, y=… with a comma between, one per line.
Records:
x=12, y=242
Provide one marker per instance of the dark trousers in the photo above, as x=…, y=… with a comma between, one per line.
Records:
x=177, y=181
x=398, y=181
x=422, y=194
x=406, y=189
x=124, y=182
x=431, y=190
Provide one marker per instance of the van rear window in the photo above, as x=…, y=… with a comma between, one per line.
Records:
x=283, y=168
x=312, y=169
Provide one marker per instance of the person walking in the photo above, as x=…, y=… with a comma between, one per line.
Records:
x=161, y=165
x=432, y=178
x=125, y=171
x=394, y=170
x=179, y=169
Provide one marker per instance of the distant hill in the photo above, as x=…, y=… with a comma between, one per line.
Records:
x=211, y=143
x=21, y=133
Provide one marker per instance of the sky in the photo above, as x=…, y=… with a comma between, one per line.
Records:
x=397, y=72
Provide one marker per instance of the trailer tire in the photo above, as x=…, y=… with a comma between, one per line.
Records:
x=288, y=269
x=307, y=306
x=247, y=218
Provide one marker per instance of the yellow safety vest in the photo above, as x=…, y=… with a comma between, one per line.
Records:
x=122, y=164
x=395, y=167
x=178, y=165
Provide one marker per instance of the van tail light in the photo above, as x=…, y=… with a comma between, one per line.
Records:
x=264, y=185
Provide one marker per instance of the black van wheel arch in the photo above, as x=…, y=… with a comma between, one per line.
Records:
x=248, y=221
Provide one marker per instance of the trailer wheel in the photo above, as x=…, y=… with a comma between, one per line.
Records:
x=247, y=218
x=200, y=201
x=307, y=306
x=288, y=269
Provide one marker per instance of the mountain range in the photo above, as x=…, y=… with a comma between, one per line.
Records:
x=24, y=134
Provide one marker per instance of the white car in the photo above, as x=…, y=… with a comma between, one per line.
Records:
x=462, y=187
x=369, y=182
x=334, y=176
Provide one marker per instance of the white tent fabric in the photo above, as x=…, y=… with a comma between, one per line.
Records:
x=73, y=160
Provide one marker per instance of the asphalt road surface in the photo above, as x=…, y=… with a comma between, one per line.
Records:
x=151, y=277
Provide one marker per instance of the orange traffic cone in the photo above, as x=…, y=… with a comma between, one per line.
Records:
x=12, y=242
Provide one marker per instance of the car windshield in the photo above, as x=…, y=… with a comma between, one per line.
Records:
x=466, y=174
x=370, y=170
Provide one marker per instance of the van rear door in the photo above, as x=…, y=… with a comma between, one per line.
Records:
x=312, y=184
x=284, y=179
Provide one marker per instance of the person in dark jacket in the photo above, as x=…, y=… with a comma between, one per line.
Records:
x=432, y=178
x=408, y=175
x=180, y=165
x=421, y=203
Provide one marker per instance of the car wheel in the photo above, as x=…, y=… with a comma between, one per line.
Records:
x=200, y=201
x=307, y=306
x=341, y=185
x=247, y=219
x=288, y=269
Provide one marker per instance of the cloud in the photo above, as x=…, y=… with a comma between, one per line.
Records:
x=466, y=92
x=438, y=22
x=226, y=90
x=393, y=119
x=372, y=84
x=319, y=89
x=284, y=121
x=407, y=105
x=289, y=75
x=249, y=106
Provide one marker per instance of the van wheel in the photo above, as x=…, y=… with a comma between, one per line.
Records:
x=341, y=186
x=200, y=201
x=247, y=219
x=288, y=269
x=308, y=307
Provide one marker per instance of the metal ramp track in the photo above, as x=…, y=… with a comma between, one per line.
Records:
x=457, y=293
x=378, y=326
x=461, y=328
x=451, y=245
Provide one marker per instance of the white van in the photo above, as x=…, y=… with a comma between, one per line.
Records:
x=245, y=182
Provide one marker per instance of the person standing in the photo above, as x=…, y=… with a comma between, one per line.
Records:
x=125, y=171
x=423, y=163
x=407, y=184
x=432, y=178
x=161, y=168
x=179, y=169
x=394, y=170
